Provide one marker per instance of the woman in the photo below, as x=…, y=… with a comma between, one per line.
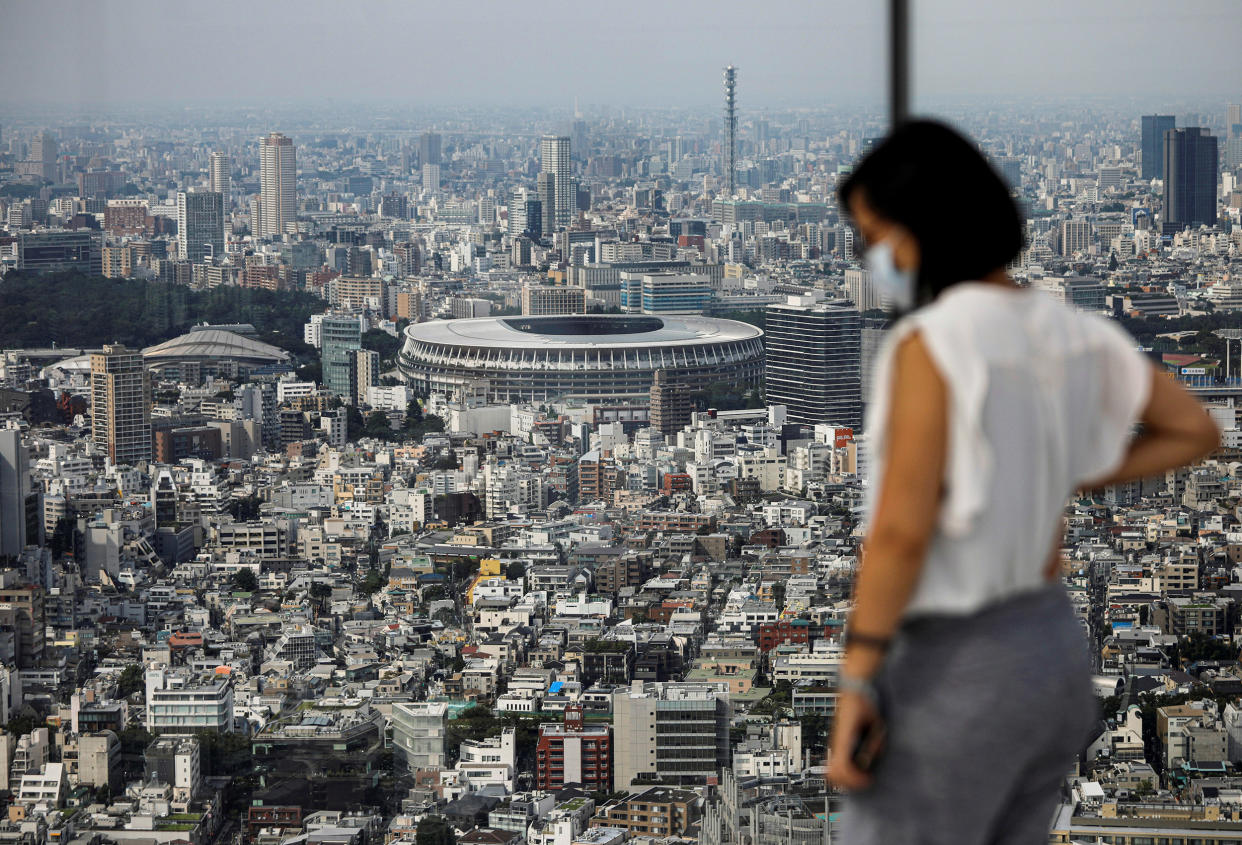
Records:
x=991, y=405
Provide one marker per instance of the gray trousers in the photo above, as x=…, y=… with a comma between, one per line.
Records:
x=985, y=714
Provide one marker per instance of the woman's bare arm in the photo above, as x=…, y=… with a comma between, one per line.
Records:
x=905, y=517
x=1176, y=431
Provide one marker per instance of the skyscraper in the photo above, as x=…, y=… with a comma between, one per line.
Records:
x=545, y=188
x=200, y=226
x=429, y=148
x=44, y=151
x=1189, y=179
x=340, y=336
x=14, y=492
x=221, y=175
x=278, y=189
x=730, y=131
x=1233, y=117
x=814, y=361
x=554, y=159
x=121, y=404
x=1154, y=127
x=431, y=178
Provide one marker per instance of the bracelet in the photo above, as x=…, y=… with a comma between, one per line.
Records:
x=862, y=686
x=852, y=637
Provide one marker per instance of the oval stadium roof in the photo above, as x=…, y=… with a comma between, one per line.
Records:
x=582, y=330
x=215, y=344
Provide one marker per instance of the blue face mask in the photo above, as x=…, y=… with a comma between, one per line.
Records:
x=895, y=286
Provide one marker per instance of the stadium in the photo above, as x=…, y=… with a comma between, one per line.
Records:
x=589, y=357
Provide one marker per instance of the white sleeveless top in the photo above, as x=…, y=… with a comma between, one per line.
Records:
x=1042, y=398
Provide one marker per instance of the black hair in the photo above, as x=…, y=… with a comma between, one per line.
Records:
x=936, y=183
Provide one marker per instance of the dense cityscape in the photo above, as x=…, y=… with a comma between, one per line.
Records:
x=496, y=478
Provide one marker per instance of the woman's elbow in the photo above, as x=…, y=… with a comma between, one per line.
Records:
x=1208, y=436
x=899, y=544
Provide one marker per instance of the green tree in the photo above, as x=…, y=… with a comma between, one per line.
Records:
x=377, y=426
x=434, y=830
x=246, y=509
x=131, y=680
x=372, y=583
x=382, y=342
x=355, y=425
x=245, y=581
x=413, y=413
x=319, y=591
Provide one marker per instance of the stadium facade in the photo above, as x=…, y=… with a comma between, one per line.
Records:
x=594, y=358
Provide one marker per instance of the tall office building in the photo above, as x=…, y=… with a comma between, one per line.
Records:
x=220, y=175
x=200, y=226
x=365, y=374
x=278, y=190
x=429, y=148
x=1075, y=236
x=1189, y=179
x=15, y=496
x=814, y=361
x=1233, y=136
x=525, y=214
x=730, y=131
x=861, y=292
x=121, y=404
x=554, y=159
x=44, y=151
x=669, y=733
x=1154, y=127
x=671, y=405
x=545, y=189
x=341, y=336
x=431, y=178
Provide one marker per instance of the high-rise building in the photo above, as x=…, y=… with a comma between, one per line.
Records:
x=525, y=214
x=1189, y=179
x=429, y=148
x=670, y=403
x=1075, y=236
x=200, y=226
x=574, y=752
x=121, y=404
x=14, y=492
x=814, y=361
x=44, y=151
x=1233, y=119
x=1154, y=127
x=220, y=175
x=431, y=178
x=861, y=292
x=730, y=131
x=669, y=733
x=545, y=188
x=366, y=374
x=278, y=190
x=544, y=300
x=340, y=336
x=554, y=159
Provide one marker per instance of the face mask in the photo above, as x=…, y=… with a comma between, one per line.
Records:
x=893, y=285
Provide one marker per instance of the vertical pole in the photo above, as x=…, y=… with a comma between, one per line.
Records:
x=898, y=62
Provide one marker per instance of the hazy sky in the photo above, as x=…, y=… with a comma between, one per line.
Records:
x=634, y=52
